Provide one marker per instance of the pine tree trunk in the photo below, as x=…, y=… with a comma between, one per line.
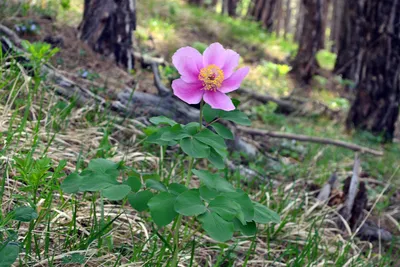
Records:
x=258, y=9
x=107, y=27
x=337, y=12
x=278, y=17
x=376, y=106
x=196, y=2
x=351, y=39
x=288, y=15
x=229, y=7
x=305, y=64
x=301, y=11
x=269, y=14
x=325, y=15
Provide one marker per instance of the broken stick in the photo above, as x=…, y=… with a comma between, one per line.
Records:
x=311, y=139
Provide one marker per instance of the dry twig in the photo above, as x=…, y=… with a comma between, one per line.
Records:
x=311, y=139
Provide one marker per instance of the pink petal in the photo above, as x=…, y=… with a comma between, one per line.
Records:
x=233, y=82
x=190, y=93
x=218, y=100
x=188, y=61
x=214, y=54
x=231, y=62
x=189, y=71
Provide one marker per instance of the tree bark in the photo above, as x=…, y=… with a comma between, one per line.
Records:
x=300, y=21
x=278, y=17
x=270, y=14
x=229, y=7
x=325, y=15
x=351, y=39
x=376, y=105
x=337, y=13
x=288, y=16
x=196, y=2
x=305, y=64
x=107, y=27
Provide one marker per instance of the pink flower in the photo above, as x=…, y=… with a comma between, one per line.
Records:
x=209, y=76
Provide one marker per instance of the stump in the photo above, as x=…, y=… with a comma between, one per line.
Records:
x=107, y=27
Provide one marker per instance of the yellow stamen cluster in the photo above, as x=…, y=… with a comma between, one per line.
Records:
x=212, y=77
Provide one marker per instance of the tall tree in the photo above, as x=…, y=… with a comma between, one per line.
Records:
x=288, y=16
x=277, y=16
x=376, y=105
x=351, y=38
x=325, y=15
x=301, y=11
x=107, y=27
x=305, y=65
x=229, y=7
x=196, y=2
x=336, y=22
x=267, y=12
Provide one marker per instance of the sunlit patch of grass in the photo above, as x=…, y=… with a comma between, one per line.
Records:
x=71, y=14
x=326, y=59
x=269, y=78
x=331, y=98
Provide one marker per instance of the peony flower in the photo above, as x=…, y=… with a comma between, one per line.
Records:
x=209, y=76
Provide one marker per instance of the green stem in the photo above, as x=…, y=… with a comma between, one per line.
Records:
x=201, y=114
x=179, y=219
x=187, y=182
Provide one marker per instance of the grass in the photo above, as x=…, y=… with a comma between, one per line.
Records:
x=45, y=137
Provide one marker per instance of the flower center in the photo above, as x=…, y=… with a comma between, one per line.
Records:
x=212, y=77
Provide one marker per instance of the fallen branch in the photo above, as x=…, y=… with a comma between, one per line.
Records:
x=162, y=90
x=148, y=60
x=311, y=139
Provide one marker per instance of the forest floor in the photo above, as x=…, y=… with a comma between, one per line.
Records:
x=293, y=172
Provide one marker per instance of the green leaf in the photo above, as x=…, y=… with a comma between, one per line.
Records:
x=134, y=182
x=236, y=102
x=156, y=185
x=156, y=138
x=100, y=174
x=189, y=203
x=162, y=208
x=177, y=189
x=25, y=214
x=140, y=199
x=162, y=120
x=174, y=133
x=95, y=181
x=71, y=184
x=213, y=140
x=116, y=192
x=216, y=159
x=214, y=181
x=222, y=131
x=262, y=214
x=216, y=227
x=209, y=113
x=194, y=148
x=225, y=207
x=8, y=254
x=245, y=203
x=192, y=128
x=151, y=175
x=208, y=194
x=104, y=166
x=236, y=116
x=248, y=229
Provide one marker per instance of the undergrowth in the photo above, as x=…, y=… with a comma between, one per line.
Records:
x=46, y=138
